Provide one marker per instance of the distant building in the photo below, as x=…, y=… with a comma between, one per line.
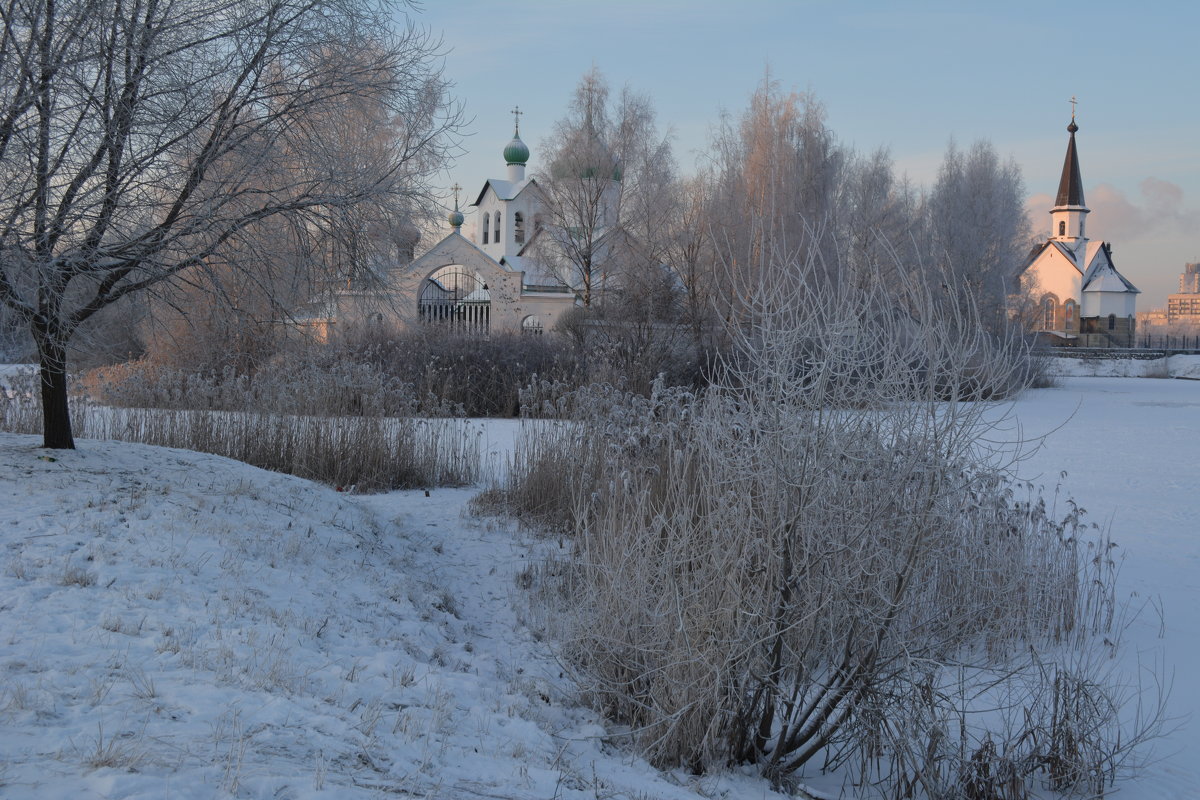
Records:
x=1184, y=308
x=1154, y=318
x=1073, y=291
x=1189, y=281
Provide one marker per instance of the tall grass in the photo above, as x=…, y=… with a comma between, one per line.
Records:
x=366, y=453
x=821, y=561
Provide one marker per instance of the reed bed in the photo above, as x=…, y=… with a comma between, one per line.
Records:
x=360, y=453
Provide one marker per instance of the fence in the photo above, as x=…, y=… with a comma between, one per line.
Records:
x=1168, y=342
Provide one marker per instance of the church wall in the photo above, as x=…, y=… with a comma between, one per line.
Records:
x=549, y=310
x=505, y=291
x=1101, y=304
x=1098, y=333
x=1053, y=274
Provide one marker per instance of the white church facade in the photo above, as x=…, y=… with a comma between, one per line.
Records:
x=1071, y=287
x=485, y=282
x=488, y=282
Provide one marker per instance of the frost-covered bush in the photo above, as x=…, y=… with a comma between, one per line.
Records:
x=376, y=371
x=822, y=559
x=298, y=382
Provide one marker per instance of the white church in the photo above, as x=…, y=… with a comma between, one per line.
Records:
x=488, y=281
x=508, y=275
x=1077, y=295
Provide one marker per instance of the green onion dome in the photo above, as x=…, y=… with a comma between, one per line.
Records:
x=456, y=218
x=517, y=152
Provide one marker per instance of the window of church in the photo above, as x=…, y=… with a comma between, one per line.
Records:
x=1112, y=322
x=497, y=227
x=1069, y=314
x=531, y=325
x=1062, y=229
x=487, y=218
x=519, y=228
x=1048, y=313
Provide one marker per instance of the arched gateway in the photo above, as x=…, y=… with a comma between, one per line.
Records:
x=457, y=298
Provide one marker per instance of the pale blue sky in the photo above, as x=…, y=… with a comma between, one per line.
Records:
x=902, y=75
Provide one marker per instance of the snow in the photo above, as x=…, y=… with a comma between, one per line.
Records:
x=1175, y=366
x=10, y=371
x=177, y=624
x=1129, y=449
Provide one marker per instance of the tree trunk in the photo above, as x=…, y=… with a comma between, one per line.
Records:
x=56, y=416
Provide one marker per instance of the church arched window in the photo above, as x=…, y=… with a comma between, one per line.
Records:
x=1069, y=314
x=519, y=228
x=1112, y=322
x=497, y=231
x=531, y=325
x=1062, y=229
x=1048, y=307
x=487, y=218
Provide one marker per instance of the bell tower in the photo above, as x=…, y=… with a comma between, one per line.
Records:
x=1067, y=218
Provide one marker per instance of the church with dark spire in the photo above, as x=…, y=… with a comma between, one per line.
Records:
x=1071, y=289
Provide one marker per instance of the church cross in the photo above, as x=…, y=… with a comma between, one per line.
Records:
x=517, y=112
x=1073, y=102
x=456, y=189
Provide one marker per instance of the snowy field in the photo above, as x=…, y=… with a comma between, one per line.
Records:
x=180, y=625
x=1131, y=451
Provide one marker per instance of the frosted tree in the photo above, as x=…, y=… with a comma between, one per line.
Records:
x=979, y=233
x=777, y=177
x=137, y=140
x=609, y=180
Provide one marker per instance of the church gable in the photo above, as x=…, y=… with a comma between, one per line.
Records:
x=456, y=249
x=1052, y=272
x=499, y=190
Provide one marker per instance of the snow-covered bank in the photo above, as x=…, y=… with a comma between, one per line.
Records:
x=181, y=625
x=1129, y=448
x=1177, y=366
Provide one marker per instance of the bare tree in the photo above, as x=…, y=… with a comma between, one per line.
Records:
x=137, y=140
x=609, y=179
x=236, y=308
x=880, y=224
x=778, y=173
x=691, y=253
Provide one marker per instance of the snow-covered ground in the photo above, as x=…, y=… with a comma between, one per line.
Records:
x=1131, y=451
x=180, y=625
x=1177, y=366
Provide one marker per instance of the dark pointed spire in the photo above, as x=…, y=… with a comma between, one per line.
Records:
x=1070, y=185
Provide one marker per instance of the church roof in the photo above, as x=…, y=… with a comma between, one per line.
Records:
x=538, y=277
x=1102, y=275
x=1070, y=185
x=505, y=190
x=1069, y=253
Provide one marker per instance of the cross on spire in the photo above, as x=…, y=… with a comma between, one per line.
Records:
x=517, y=112
x=1073, y=102
x=456, y=189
